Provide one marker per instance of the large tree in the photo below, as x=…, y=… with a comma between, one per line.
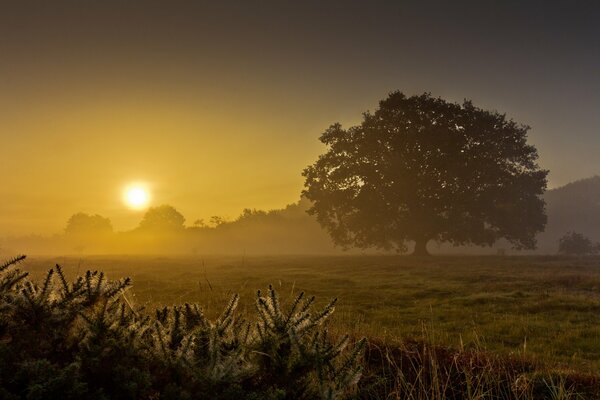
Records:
x=419, y=169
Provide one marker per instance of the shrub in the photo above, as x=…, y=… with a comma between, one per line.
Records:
x=574, y=243
x=82, y=339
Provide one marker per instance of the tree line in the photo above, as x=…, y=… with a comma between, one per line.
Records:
x=418, y=169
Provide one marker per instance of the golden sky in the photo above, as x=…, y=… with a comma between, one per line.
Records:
x=205, y=157
x=218, y=106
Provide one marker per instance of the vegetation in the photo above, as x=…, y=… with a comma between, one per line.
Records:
x=574, y=207
x=87, y=225
x=574, y=243
x=164, y=218
x=82, y=339
x=420, y=169
x=446, y=326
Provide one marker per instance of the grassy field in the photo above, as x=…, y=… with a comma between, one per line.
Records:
x=546, y=308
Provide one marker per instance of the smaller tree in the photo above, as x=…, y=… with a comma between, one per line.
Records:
x=216, y=220
x=162, y=218
x=574, y=243
x=199, y=223
x=248, y=213
x=82, y=224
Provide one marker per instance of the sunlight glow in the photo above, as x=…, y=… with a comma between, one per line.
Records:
x=136, y=197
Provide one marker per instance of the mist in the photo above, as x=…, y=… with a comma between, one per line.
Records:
x=290, y=231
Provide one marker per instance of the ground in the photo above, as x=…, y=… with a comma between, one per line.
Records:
x=545, y=307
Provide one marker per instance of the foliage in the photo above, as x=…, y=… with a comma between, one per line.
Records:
x=416, y=370
x=248, y=213
x=419, y=169
x=82, y=339
x=199, y=223
x=85, y=224
x=216, y=221
x=547, y=302
x=162, y=218
x=573, y=243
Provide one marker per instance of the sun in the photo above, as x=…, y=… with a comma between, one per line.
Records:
x=136, y=197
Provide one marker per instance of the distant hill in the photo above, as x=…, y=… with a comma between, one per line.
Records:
x=573, y=207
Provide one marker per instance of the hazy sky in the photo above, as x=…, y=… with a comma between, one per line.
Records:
x=218, y=105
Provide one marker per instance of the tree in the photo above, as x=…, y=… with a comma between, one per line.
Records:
x=248, y=213
x=216, y=220
x=85, y=224
x=573, y=243
x=162, y=218
x=420, y=168
x=199, y=223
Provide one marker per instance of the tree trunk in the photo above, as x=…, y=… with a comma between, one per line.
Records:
x=421, y=248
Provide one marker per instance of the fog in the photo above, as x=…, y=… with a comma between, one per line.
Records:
x=290, y=231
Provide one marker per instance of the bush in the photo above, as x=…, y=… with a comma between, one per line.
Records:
x=82, y=339
x=574, y=243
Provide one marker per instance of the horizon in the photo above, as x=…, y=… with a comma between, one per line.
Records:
x=189, y=223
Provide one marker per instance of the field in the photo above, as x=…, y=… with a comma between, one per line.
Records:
x=543, y=308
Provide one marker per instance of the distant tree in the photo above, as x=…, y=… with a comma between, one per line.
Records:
x=573, y=243
x=216, y=220
x=420, y=169
x=85, y=224
x=199, y=223
x=162, y=218
x=249, y=213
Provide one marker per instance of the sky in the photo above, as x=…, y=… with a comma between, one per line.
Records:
x=218, y=106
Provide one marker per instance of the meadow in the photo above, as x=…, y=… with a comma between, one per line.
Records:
x=542, y=308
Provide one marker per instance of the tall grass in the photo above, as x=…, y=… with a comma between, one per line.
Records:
x=418, y=370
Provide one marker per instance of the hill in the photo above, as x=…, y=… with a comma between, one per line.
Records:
x=573, y=207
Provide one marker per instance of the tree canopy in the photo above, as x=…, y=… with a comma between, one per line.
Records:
x=85, y=224
x=420, y=168
x=573, y=243
x=162, y=218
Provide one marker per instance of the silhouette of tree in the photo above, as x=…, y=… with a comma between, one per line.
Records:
x=162, y=218
x=216, y=220
x=199, y=223
x=248, y=213
x=419, y=169
x=85, y=224
x=574, y=243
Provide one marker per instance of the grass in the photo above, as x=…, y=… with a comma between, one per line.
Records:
x=515, y=323
x=545, y=307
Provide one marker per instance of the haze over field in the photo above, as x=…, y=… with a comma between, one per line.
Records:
x=216, y=106
x=291, y=231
